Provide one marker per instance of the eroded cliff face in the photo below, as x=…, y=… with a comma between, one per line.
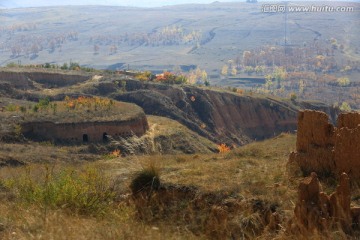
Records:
x=326, y=149
x=28, y=79
x=16, y=80
x=220, y=116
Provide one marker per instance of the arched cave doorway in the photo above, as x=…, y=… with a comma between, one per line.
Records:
x=105, y=137
x=85, y=138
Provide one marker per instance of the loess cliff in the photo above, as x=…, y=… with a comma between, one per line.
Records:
x=219, y=116
x=325, y=149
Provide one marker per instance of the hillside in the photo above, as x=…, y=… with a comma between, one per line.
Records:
x=302, y=53
x=183, y=178
x=220, y=116
x=247, y=192
x=205, y=35
x=179, y=122
x=121, y=220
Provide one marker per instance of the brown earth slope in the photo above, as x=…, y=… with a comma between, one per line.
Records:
x=220, y=116
x=327, y=149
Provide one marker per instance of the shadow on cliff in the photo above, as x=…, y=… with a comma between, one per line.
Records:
x=219, y=116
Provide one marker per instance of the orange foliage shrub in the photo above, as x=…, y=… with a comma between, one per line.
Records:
x=240, y=91
x=171, y=78
x=116, y=153
x=223, y=148
x=165, y=77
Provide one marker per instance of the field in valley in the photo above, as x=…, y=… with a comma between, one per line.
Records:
x=321, y=47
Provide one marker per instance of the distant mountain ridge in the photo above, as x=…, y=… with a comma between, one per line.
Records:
x=222, y=30
x=137, y=3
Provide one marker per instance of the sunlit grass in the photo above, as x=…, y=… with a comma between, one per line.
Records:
x=92, y=200
x=82, y=191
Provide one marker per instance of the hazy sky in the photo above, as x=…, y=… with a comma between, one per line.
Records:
x=139, y=3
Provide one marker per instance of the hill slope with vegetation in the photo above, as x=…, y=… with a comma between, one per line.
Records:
x=217, y=114
x=237, y=44
x=248, y=192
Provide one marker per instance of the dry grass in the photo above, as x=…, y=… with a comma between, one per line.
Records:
x=72, y=110
x=253, y=175
x=256, y=171
x=45, y=152
x=177, y=137
x=260, y=164
x=32, y=205
x=21, y=222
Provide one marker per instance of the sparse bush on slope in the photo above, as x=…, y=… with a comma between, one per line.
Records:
x=85, y=191
x=147, y=179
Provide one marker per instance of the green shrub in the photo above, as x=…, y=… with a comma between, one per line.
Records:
x=293, y=96
x=84, y=192
x=47, y=65
x=11, y=108
x=44, y=102
x=35, y=108
x=11, y=65
x=74, y=66
x=23, y=109
x=64, y=66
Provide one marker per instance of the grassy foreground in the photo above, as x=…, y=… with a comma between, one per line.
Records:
x=92, y=200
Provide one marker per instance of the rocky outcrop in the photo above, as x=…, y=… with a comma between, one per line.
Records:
x=219, y=116
x=315, y=211
x=349, y=120
x=326, y=149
